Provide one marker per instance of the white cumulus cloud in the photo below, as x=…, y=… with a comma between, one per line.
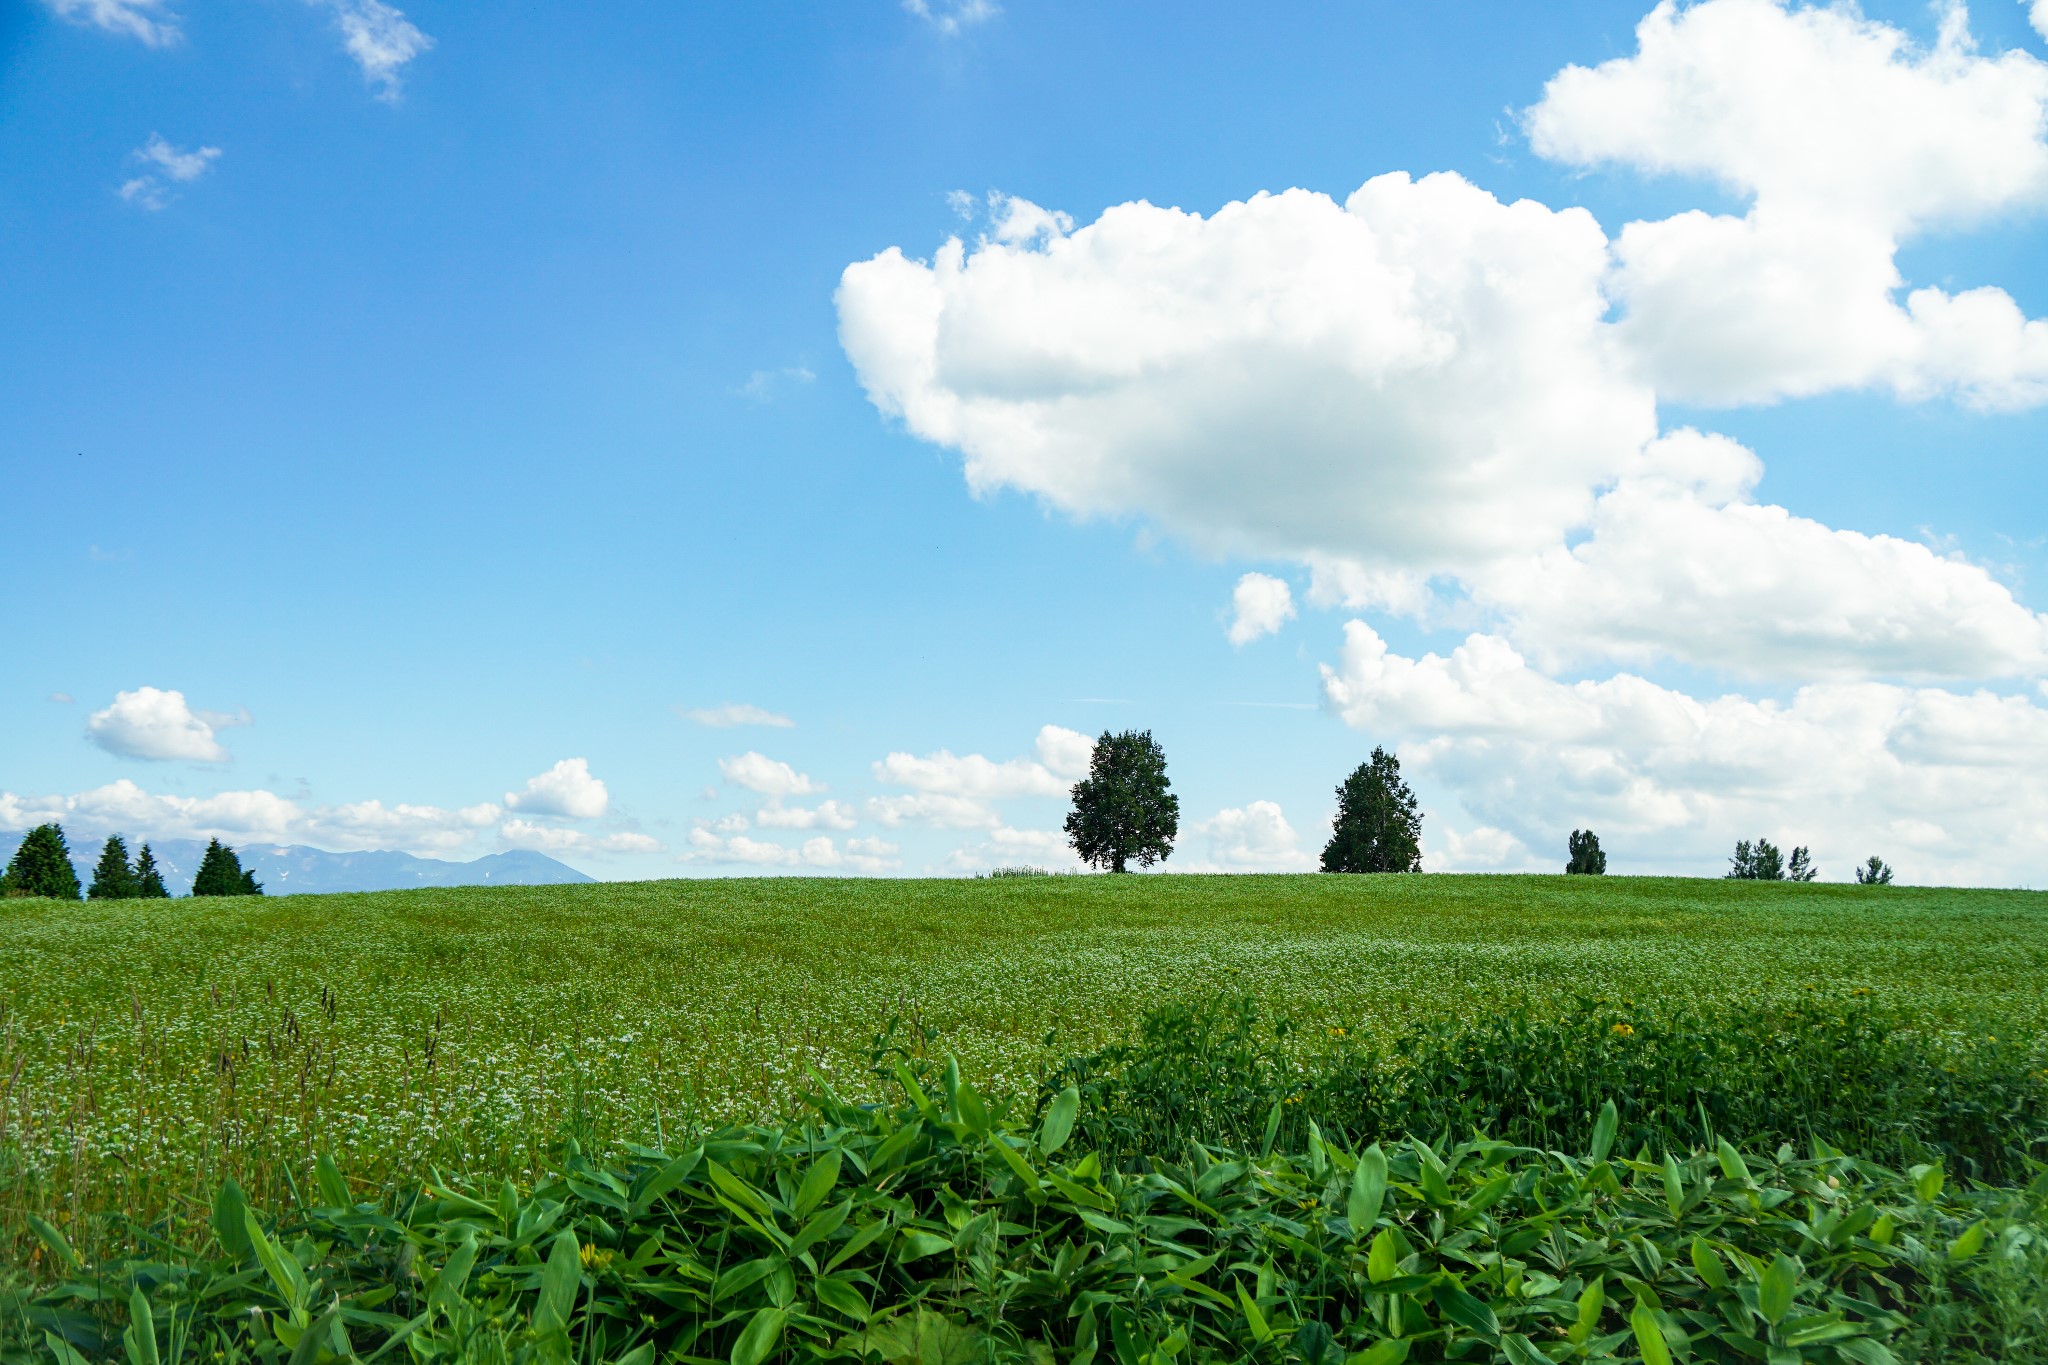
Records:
x=380, y=39
x=149, y=21
x=1255, y=837
x=868, y=856
x=824, y=815
x=259, y=816
x=1259, y=605
x=568, y=789
x=156, y=723
x=767, y=776
x=1944, y=785
x=1850, y=140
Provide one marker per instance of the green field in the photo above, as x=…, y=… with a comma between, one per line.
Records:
x=154, y=1047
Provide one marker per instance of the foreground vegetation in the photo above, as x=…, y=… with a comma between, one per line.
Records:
x=148, y=1049
x=1092, y=1221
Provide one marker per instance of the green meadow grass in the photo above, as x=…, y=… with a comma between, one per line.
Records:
x=148, y=1049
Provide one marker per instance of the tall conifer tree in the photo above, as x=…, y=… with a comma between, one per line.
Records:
x=149, y=883
x=220, y=874
x=42, y=866
x=114, y=879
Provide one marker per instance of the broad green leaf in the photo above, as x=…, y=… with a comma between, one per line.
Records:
x=858, y=1243
x=59, y=1248
x=447, y=1292
x=973, y=1112
x=1674, y=1186
x=643, y=1354
x=841, y=1296
x=914, y=1246
x=333, y=1188
x=1649, y=1336
x=670, y=1177
x=1708, y=1265
x=1927, y=1181
x=1592, y=1303
x=818, y=1182
x=1775, y=1288
x=1732, y=1164
x=760, y=1337
x=1272, y=1132
x=1970, y=1243
x=62, y=1350
x=1468, y=1312
x=559, y=1281
x=737, y=1278
x=1368, y=1192
x=283, y=1268
x=819, y=1228
x=1059, y=1120
x=1383, y=1262
x=1519, y=1350
x=230, y=1210
x=1604, y=1129
x=1253, y=1318
x=140, y=1337
x=1391, y=1351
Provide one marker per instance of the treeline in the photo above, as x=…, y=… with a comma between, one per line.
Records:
x=42, y=867
x=1125, y=812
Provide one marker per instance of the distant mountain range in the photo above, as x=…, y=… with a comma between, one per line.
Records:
x=292, y=869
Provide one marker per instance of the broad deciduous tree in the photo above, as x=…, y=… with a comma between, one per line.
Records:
x=1124, y=810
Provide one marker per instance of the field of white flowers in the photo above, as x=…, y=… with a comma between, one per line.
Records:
x=147, y=1049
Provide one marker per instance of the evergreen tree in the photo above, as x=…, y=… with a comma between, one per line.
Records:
x=114, y=879
x=149, y=883
x=42, y=866
x=1876, y=872
x=1801, y=868
x=220, y=874
x=1378, y=826
x=1759, y=863
x=1124, y=810
x=1586, y=856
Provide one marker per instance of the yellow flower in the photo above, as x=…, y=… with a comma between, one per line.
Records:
x=1623, y=1031
x=595, y=1258
x=1338, y=1032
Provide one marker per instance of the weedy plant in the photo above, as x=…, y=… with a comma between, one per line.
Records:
x=1843, y=1069
x=932, y=1231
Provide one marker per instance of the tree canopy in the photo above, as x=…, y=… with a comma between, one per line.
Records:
x=1876, y=872
x=1586, y=856
x=1124, y=810
x=1379, y=828
x=149, y=882
x=114, y=879
x=42, y=866
x=221, y=874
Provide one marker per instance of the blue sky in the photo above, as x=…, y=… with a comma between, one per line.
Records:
x=439, y=402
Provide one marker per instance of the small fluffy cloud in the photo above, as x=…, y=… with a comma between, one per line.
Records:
x=166, y=166
x=824, y=815
x=1252, y=838
x=1062, y=754
x=1945, y=785
x=733, y=714
x=155, y=723
x=1007, y=847
x=380, y=39
x=761, y=385
x=149, y=21
x=259, y=816
x=554, y=839
x=951, y=16
x=568, y=789
x=1480, y=850
x=2038, y=16
x=939, y=810
x=768, y=777
x=1260, y=605
x=821, y=853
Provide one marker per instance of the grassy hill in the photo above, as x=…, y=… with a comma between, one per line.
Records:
x=162, y=1044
